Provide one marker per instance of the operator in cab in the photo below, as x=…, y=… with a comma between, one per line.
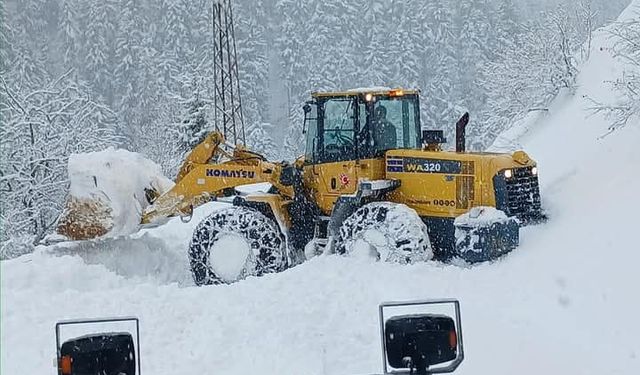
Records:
x=384, y=133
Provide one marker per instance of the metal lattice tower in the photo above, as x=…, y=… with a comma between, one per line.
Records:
x=227, y=106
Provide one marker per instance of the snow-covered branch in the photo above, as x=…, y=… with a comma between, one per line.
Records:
x=42, y=127
x=626, y=35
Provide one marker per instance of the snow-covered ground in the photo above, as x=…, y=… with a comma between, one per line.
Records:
x=565, y=302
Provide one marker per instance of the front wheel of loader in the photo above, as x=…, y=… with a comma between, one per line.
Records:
x=385, y=231
x=234, y=243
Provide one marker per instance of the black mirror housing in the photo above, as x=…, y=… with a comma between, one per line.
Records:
x=425, y=343
x=427, y=339
x=99, y=354
x=106, y=352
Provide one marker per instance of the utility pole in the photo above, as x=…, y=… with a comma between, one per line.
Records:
x=227, y=105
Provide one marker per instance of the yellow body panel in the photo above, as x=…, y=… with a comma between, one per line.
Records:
x=448, y=193
x=328, y=181
x=430, y=193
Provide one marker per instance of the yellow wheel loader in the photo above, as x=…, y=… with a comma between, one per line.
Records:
x=371, y=182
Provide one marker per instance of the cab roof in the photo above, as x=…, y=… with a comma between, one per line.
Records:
x=367, y=90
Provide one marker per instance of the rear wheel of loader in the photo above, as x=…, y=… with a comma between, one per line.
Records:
x=386, y=231
x=235, y=243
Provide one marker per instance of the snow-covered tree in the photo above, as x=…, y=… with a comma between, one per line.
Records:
x=259, y=139
x=627, y=47
x=252, y=50
x=68, y=34
x=29, y=64
x=528, y=75
x=98, y=49
x=193, y=125
x=129, y=54
x=41, y=128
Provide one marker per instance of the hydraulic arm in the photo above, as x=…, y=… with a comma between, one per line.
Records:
x=202, y=178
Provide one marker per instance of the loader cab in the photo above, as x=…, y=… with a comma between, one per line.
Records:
x=360, y=124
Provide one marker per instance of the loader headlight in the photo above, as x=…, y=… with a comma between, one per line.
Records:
x=534, y=171
x=508, y=173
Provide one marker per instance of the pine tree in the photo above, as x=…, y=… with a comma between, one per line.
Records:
x=252, y=57
x=6, y=47
x=193, y=125
x=296, y=64
x=28, y=69
x=261, y=141
x=68, y=34
x=375, y=29
x=98, y=48
x=438, y=67
x=129, y=57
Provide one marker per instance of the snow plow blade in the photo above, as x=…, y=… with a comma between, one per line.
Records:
x=108, y=191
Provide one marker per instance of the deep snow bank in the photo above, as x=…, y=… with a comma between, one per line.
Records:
x=565, y=302
x=155, y=255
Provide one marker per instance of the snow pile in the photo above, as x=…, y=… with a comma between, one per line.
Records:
x=369, y=89
x=480, y=217
x=107, y=193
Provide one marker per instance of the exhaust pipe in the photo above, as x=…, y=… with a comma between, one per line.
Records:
x=461, y=126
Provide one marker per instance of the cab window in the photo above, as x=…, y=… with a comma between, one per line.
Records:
x=336, y=130
x=350, y=128
x=394, y=123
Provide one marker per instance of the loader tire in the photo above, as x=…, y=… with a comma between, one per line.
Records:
x=386, y=231
x=234, y=243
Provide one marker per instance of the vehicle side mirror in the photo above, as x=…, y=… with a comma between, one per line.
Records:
x=108, y=352
x=420, y=341
x=98, y=354
x=307, y=109
x=416, y=343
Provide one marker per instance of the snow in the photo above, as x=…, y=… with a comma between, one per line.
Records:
x=366, y=246
x=116, y=178
x=250, y=189
x=369, y=89
x=481, y=216
x=564, y=302
x=228, y=256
